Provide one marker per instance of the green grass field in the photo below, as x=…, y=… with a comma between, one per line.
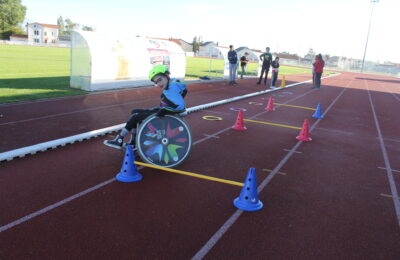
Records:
x=30, y=72
x=199, y=67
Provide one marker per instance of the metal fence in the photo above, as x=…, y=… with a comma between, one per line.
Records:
x=61, y=44
x=351, y=65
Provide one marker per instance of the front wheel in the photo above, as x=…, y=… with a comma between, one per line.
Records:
x=164, y=141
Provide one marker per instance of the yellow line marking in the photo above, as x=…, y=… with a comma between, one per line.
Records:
x=268, y=170
x=190, y=174
x=309, y=108
x=386, y=195
x=267, y=123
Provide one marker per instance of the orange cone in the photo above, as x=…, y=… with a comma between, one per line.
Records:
x=270, y=105
x=304, y=132
x=239, y=125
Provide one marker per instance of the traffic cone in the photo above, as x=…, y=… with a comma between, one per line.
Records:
x=304, y=132
x=318, y=112
x=248, y=198
x=270, y=105
x=239, y=125
x=128, y=171
x=283, y=81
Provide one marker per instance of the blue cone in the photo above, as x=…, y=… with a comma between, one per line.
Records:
x=128, y=171
x=248, y=198
x=318, y=112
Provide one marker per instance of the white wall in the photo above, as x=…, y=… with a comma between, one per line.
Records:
x=44, y=34
x=18, y=39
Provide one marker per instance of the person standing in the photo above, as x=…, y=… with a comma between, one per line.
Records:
x=266, y=58
x=275, y=70
x=243, y=63
x=233, y=64
x=318, y=70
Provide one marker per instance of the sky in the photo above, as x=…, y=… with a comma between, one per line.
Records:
x=337, y=28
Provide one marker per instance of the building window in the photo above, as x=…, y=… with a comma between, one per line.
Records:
x=53, y=41
x=52, y=33
x=36, y=40
x=36, y=32
x=45, y=33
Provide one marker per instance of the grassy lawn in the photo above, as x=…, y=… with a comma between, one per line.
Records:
x=31, y=72
x=198, y=67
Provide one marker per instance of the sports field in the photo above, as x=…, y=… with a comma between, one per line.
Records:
x=30, y=72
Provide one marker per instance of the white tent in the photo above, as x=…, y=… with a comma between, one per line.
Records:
x=100, y=62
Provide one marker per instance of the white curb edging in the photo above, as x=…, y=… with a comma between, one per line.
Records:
x=21, y=152
x=41, y=147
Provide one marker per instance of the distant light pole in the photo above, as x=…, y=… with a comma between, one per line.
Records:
x=369, y=27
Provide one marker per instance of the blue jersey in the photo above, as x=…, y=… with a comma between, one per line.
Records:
x=172, y=98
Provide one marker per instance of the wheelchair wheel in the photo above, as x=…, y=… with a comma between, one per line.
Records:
x=164, y=141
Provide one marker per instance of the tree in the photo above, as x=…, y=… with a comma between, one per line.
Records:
x=61, y=26
x=87, y=28
x=310, y=55
x=70, y=26
x=12, y=12
x=15, y=30
x=196, y=45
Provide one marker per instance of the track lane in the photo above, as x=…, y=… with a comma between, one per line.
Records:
x=184, y=199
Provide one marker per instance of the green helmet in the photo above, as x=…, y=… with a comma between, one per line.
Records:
x=158, y=69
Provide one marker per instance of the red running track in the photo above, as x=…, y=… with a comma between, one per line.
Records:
x=337, y=196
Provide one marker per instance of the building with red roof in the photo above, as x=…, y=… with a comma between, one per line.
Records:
x=42, y=33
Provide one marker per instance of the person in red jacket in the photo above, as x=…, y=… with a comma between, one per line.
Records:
x=318, y=70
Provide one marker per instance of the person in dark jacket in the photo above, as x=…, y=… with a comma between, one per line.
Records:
x=266, y=59
x=318, y=70
x=172, y=102
x=275, y=70
x=243, y=64
x=233, y=64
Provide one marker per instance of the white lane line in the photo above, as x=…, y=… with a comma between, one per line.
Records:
x=289, y=150
x=383, y=168
x=392, y=140
x=55, y=99
x=216, y=112
x=212, y=136
x=218, y=235
x=392, y=182
x=53, y=206
x=395, y=95
x=232, y=219
x=64, y=114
